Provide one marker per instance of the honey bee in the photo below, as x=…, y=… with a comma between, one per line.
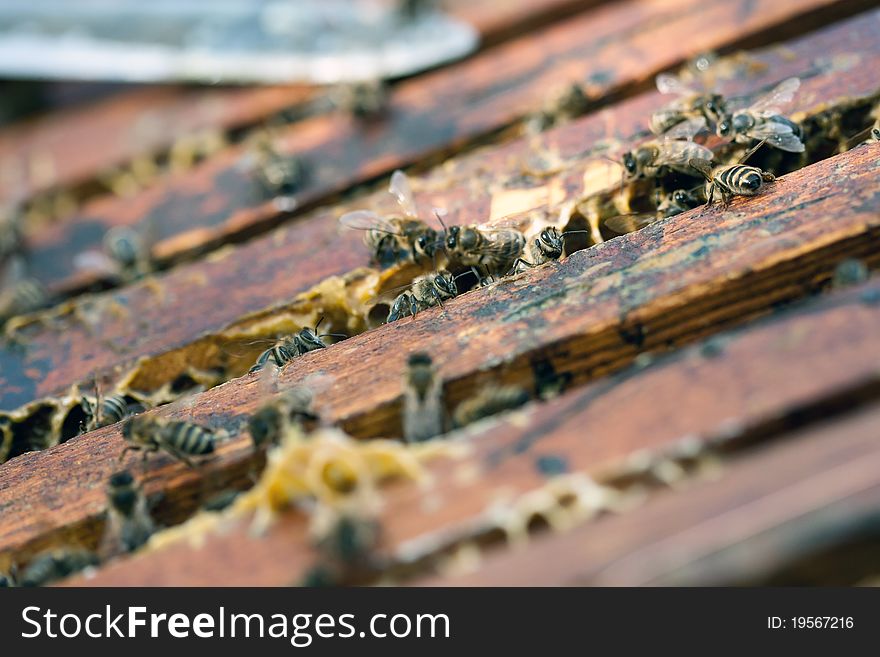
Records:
x=20, y=293
x=269, y=423
x=872, y=133
x=125, y=256
x=395, y=239
x=493, y=250
x=875, y=131
x=179, y=438
x=346, y=552
x=423, y=410
x=104, y=411
x=296, y=345
x=649, y=159
x=10, y=232
x=129, y=525
x=52, y=566
x=733, y=179
x=364, y=100
x=546, y=247
x=677, y=202
x=425, y=292
x=700, y=108
x=489, y=401
x=762, y=121
x=278, y=174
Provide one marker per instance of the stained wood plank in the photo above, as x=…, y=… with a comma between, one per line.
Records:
x=202, y=298
x=769, y=509
x=69, y=149
x=765, y=381
x=666, y=285
x=219, y=199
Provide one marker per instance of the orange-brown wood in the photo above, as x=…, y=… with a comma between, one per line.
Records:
x=762, y=383
x=671, y=283
x=201, y=298
x=608, y=50
x=69, y=149
x=785, y=503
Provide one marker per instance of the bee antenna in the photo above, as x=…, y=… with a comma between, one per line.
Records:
x=334, y=335
x=319, y=323
x=440, y=219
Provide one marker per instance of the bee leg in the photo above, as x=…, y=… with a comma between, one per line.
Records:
x=517, y=263
x=180, y=456
x=127, y=449
x=711, y=196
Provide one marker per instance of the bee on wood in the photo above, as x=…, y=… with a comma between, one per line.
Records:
x=678, y=201
x=20, y=293
x=493, y=250
x=650, y=159
x=129, y=525
x=179, y=438
x=489, y=401
x=104, y=411
x=733, y=179
x=425, y=292
x=10, y=232
x=547, y=246
x=346, y=552
x=364, y=100
x=269, y=423
x=277, y=173
x=125, y=255
x=571, y=103
x=423, y=409
x=700, y=108
x=284, y=351
x=396, y=239
x=52, y=566
x=762, y=121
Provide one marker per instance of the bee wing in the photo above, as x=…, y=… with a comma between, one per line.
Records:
x=97, y=262
x=701, y=165
x=678, y=152
x=667, y=83
x=367, y=220
x=401, y=190
x=16, y=271
x=780, y=135
x=687, y=129
x=781, y=94
x=629, y=223
x=268, y=379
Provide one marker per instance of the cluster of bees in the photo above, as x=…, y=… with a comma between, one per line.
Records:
x=486, y=253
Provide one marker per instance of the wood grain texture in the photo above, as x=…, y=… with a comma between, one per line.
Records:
x=765, y=381
x=159, y=319
x=769, y=509
x=219, y=199
x=590, y=314
x=70, y=148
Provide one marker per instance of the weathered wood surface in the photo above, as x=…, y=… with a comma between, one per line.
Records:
x=69, y=149
x=763, y=383
x=591, y=314
x=769, y=509
x=202, y=298
x=608, y=50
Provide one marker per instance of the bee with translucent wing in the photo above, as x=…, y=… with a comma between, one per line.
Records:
x=282, y=352
x=395, y=239
x=762, y=121
x=733, y=179
x=423, y=410
x=703, y=108
x=129, y=525
x=648, y=159
x=425, y=292
x=20, y=293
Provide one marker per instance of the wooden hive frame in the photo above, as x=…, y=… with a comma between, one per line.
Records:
x=650, y=441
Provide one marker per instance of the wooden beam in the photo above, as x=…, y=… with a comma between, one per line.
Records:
x=669, y=284
x=769, y=509
x=763, y=383
x=219, y=200
x=178, y=319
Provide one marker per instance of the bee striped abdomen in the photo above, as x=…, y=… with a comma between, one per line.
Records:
x=113, y=409
x=190, y=438
x=740, y=179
